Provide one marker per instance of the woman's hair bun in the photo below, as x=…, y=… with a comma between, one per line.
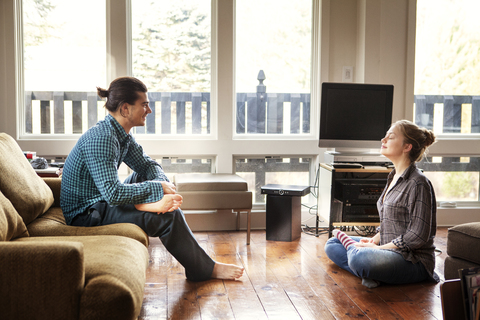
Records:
x=429, y=137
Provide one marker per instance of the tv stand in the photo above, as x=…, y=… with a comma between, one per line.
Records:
x=330, y=205
x=346, y=165
x=364, y=157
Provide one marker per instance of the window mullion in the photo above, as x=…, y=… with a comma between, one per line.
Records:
x=118, y=39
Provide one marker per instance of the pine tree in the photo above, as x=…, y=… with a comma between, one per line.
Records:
x=172, y=51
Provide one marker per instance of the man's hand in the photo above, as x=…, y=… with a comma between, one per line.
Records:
x=168, y=187
x=169, y=203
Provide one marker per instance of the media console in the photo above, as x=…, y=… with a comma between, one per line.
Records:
x=348, y=196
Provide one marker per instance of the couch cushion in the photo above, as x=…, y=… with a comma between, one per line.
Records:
x=11, y=224
x=115, y=273
x=28, y=193
x=52, y=223
x=463, y=241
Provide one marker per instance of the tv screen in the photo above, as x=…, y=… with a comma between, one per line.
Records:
x=354, y=115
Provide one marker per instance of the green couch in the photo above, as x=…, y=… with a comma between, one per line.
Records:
x=49, y=270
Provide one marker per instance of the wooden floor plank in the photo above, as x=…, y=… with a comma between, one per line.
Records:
x=424, y=297
x=410, y=310
x=282, y=280
x=242, y=295
x=370, y=303
x=213, y=300
x=323, y=285
x=154, y=302
x=183, y=302
x=273, y=298
x=156, y=288
x=306, y=302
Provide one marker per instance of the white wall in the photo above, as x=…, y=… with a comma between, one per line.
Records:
x=373, y=37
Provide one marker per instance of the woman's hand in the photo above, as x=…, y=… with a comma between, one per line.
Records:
x=370, y=242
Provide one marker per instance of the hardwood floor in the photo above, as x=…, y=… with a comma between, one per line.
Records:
x=282, y=280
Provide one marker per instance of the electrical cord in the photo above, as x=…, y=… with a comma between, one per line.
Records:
x=314, y=231
x=313, y=210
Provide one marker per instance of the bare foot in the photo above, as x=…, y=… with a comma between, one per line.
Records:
x=169, y=203
x=226, y=271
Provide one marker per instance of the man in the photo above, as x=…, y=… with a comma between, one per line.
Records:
x=92, y=194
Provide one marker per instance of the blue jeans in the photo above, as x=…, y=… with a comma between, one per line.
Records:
x=170, y=227
x=378, y=264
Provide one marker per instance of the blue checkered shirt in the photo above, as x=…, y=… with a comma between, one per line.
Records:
x=90, y=173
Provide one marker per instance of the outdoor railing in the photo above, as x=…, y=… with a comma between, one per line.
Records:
x=174, y=112
x=455, y=110
x=256, y=113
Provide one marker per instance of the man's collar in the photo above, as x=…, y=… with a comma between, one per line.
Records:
x=120, y=131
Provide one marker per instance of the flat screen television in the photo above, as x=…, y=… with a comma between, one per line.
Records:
x=354, y=115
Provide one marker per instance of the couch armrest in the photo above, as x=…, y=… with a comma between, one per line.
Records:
x=41, y=279
x=55, y=184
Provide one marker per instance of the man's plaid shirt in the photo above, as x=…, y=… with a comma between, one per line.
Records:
x=90, y=173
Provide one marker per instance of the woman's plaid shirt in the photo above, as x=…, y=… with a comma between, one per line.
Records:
x=408, y=217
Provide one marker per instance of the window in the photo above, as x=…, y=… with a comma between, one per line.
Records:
x=171, y=50
x=62, y=64
x=447, y=67
x=180, y=50
x=273, y=49
x=454, y=179
x=447, y=91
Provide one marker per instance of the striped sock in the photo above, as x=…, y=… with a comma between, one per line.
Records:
x=344, y=238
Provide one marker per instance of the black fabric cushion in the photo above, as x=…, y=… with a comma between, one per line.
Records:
x=463, y=241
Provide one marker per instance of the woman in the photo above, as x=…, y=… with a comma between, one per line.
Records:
x=402, y=251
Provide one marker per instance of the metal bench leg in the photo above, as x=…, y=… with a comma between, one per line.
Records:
x=249, y=221
x=248, y=225
x=238, y=220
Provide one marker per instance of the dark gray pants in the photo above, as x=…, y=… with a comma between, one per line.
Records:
x=170, y=227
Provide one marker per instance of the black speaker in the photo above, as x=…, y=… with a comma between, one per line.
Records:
x=283, y=221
